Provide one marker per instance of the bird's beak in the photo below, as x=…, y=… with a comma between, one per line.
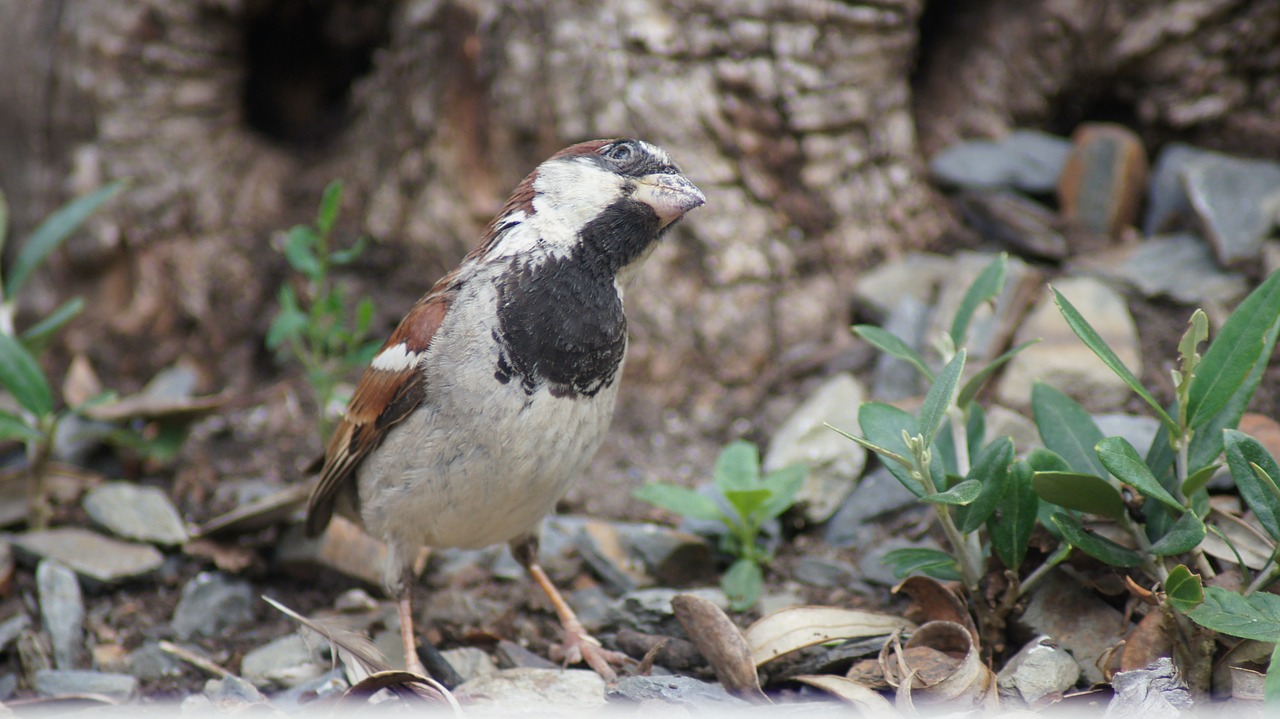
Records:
x=669, y=194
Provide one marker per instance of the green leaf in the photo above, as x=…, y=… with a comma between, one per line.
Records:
x=870, y=446
x=55, y=230
x=681, y=500
x=1185, y=535
x=1183, y=589
x=1047, y=460
x=961, y=494
x=1244, y=451
x=1256, y=616
x=1014, y=520
x=891, y=344
x=1188, y=358
x=940, y=397
x=1271, y=686
x=1199, y=479
x=364, y=316
x=1081, y=492
x=349, y=255
x=300, y=251
x=746, y=501
x=22, y=376
x=977, y=381
x=287, y=325
x=991, y=471
x=985, y=288
x=883, y=425
x=1240, y=345
x=1099, y=548
x=1123, y=461
x=37, y=336
x=330, y=202
x=742, y=584
x=783, y=485
x=738, y=466
x=1094, y=342
x=13, y=427
x=1066, y=429
x=912, y=560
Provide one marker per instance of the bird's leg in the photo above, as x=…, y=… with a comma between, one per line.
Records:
x=579, y=645
x=404, y=606
x=398, y=579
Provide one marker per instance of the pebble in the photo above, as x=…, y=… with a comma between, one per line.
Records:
x=534, y=691
x=1236, y=202
x=66, y=682
x=825, y=573
x=1026, y=160
x=510, y=655
x=1168, y=209
x=327, y=687
x=144, y=514
x=91, y=555
x=834, y=463
x=12, y=628
x=1077, y=619
x=149, y=662
x=1104, y=179
x=211, y=603
x=61, y=613
x=877, y=494
x=1180, y=267
x=469, y=662
x=285, y=662
x=1015, y=222
x=1061, y=360
x=650, y=611
x=917, y=275
x=628, y=555
x=232, y=693
x=1040, y=669
x=680, y=690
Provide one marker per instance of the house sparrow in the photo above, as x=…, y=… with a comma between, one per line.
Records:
x=495, y=390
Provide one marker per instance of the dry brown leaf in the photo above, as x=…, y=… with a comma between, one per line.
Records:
x=1146, y=643
x=1249, y=651
x=937, y=602
x=940, y=663
x=795, y=628
x=1255, y=548
x=864, y=699
x=81, y=383
x=230, y=558
x=721, y=642
x=1247, y=684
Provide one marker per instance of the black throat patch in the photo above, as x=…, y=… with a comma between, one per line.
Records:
x=560, y=321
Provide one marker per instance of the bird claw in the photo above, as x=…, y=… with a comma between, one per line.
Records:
x=581, y=647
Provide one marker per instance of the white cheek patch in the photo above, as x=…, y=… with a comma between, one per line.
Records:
x=571, y=194
x=396, y=358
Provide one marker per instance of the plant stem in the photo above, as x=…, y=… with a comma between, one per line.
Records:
x=1268, y=575
x=1053, y=560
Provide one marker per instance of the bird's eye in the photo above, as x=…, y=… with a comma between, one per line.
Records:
x=620, y=152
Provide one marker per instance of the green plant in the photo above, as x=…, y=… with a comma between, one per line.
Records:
x=752, y=500
x=35, y=420
x=1153, y=507
x=313, y=326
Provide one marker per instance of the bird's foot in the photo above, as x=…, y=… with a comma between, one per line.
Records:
x=579, y=646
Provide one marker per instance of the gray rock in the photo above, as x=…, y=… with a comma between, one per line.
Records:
x=990, y=329
x=8, y=685
x=232, y=692
x=528, y=691
x=1038, y=670
x=1180, y=267
x=66, y=682
x=650, y=611
x=1077, y=620
x=1168, y=209
x=834, y=462
x=917, y=275
x=877, y=494
x=593, y=606
x=822, y=572
x=91, y=555
x=285, y=662
x=1026, y=160
x=1140, y=431
x=1017, y=223
x=1004, y=422
x=510, y=655
x=685, y=691
x=212, y=602
x=1236, y=202
x=893, y=378
x=127, y=510
x=469, y=662
x=327, y=687
x=1061, y=360
x=12, y=628
x=872, y=566
x=1156, y=690
x=62, y=613
x=149, y=662
x=628, y=555
x=775, y=599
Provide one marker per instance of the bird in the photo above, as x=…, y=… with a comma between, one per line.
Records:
x=493, y=393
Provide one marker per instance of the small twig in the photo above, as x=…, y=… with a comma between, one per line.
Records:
x=194, y=659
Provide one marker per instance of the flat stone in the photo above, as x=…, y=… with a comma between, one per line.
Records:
x=285, y=662
x=917, y=275
x=1040, y=669
x=1155, y=691
x=510, y=655
x=825, y=573
x=650, y=611
x=91, y=555
x=534, y=691
x=1026, y=160
x=1179, y=267
x=232, y=693
x=1076, y=619
x=1168, y=208
x=149, y=663
x=211, y=603
x=878, y=493
x=680, y=690
x=326, y=688
x=469, y=662
x=1236, y=202
x=833, y=462
x=872, y=567
x=12, y=628
x=1061, y=360
x=62, y=613
x=991, y=328
x=1104, y=179
x=628, y=555
x=143, y=514
x=68, y=682
x=1022, y=225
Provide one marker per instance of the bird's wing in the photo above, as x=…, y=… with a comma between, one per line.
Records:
x=391, y=388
